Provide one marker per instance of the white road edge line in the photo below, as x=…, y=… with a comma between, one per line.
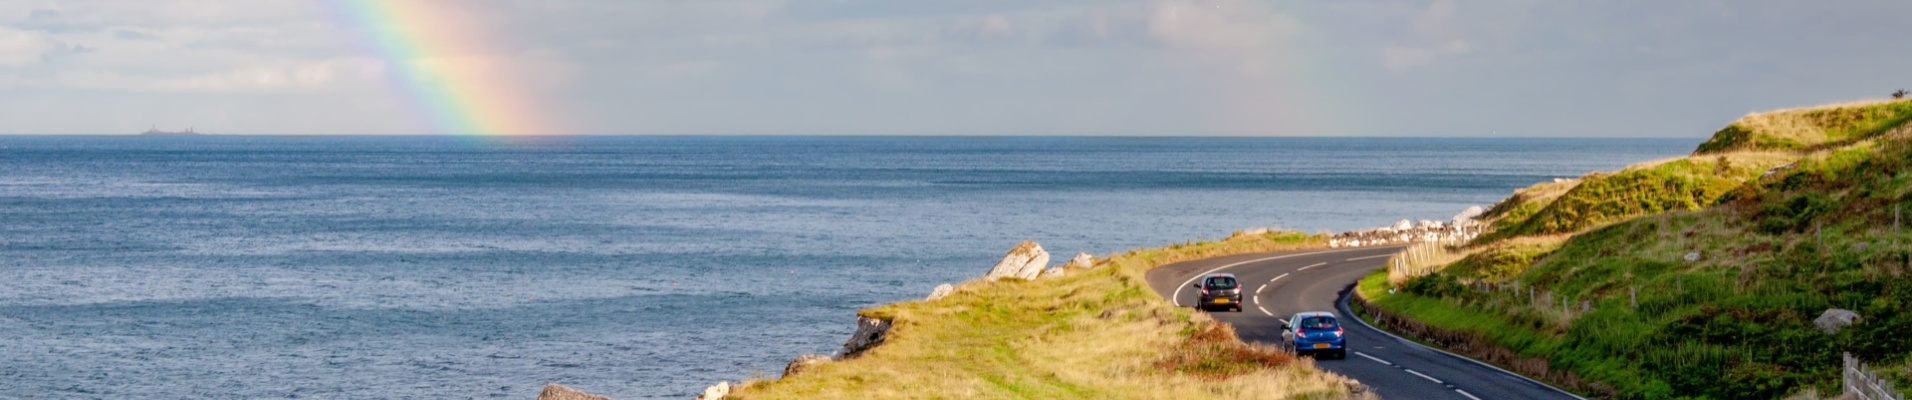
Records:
x=1283, y=275
x=1464, y=393
x=1264, y=310
x=1425, y=376
x=1311, y=266
x=1371, y=327
x=1177, y=298
x=1370, y=257
x=1258, y=290
x=1383, y=362
x=1284, y=321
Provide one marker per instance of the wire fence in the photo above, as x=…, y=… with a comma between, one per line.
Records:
x=1865, y=383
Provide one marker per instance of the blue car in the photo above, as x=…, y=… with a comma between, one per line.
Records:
x=1316, y=332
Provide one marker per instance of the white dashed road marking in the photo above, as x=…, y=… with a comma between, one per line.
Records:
x=1384, y=362
x=1177, y=297
x=1425, y=376
x=1311, y=266
x=1464, y=393
x=1264, y=310
x=1284, y=275
x=1370, y=257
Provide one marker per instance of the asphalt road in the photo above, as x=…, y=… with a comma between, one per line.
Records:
x=1280, y=284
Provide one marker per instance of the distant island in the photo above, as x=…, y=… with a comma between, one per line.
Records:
x=154, y=131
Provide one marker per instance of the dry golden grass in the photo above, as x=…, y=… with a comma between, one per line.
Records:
x=1807, y=128
x=1094, y=334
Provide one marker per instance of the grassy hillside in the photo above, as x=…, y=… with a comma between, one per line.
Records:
x=1810, y=127
x=1606, y=302
x=1094, y=334
x=1673, y=185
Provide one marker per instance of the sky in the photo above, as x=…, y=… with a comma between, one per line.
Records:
x=1508, y=68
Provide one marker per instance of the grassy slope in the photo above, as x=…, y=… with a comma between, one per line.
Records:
x=1810, y=127
x=1094, y=334
x=1735, y=324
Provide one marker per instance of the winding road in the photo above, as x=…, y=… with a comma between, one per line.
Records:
x=1280, y=284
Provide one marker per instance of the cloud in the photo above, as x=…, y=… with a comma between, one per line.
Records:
x=19, y=47
x=1218, y=24
x=1401, y=59
x=294, y=77
x=124, y=34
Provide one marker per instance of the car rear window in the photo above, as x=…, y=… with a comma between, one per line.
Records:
x=1222, y=282
x=1318, y=322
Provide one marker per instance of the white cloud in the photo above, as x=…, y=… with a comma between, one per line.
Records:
x=1218, y=24
x=19, y=47
x=1401, y=59
x=301, y=77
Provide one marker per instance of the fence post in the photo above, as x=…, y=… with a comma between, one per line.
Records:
x=1633, y=297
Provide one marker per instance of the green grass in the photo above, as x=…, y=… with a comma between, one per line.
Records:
x=1098, y=333
x=1774, y=252
x=1600, y=198
x=1808, y=128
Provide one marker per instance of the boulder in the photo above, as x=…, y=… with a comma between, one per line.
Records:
x=1835, y=319
x=716, y=392
x=1468, y=214
x=559, y=392
x=941, y=291
x=803, y=363
x=1053, y=273
x=1082, y=260
x=1026, y=261
x=1403, y=225
x=869, y=333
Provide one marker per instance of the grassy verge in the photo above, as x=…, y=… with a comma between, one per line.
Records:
x=1097, y=333
x=1683, y=283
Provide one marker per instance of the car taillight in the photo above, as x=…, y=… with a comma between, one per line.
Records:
x=1337, y=332
x=1204, y=290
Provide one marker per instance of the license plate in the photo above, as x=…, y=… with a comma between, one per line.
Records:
x=1321, y=345
x=1221, y=301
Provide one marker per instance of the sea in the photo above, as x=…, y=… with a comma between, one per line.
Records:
x=631, y=266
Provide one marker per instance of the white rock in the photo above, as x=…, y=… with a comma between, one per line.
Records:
x=869, y=333
x=716, y=392
x=1468, y=214
x=1023, y=262
x=1835, y=319
x=1052, y=273
x=1082, y=260
x=940, y=291
x=1403, y=225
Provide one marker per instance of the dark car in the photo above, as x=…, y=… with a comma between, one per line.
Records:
x=1219, y=291
x=1316, y=332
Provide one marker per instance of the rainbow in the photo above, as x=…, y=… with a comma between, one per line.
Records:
x=437, y=58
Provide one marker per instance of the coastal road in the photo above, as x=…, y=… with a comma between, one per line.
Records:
x=1277, y=285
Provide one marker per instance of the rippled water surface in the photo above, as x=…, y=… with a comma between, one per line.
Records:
x=637, y=267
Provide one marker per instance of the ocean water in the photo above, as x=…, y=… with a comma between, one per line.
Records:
x=637, y=267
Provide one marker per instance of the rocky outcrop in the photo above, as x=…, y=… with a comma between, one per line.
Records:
x=1835, y=319
x=1054, y=273
x=804, y=363
x=1025, y=262
x=1463, y=227
x=940, y=291
x=716, y=392
x=869, y=333
x=560, y=392
x=1082, y=260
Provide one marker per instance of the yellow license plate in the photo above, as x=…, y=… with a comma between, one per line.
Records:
x=1321, y=345
x=1221, y=301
